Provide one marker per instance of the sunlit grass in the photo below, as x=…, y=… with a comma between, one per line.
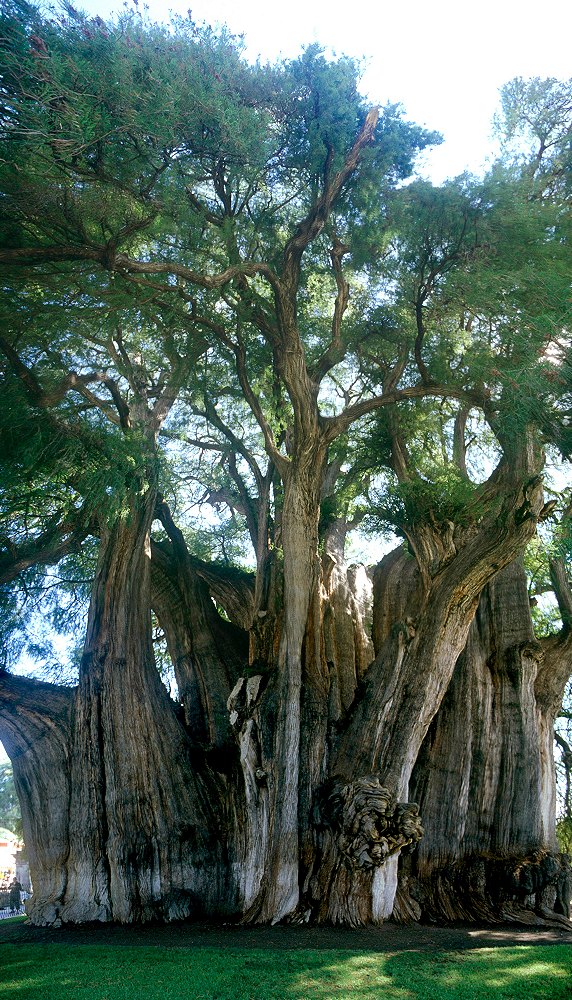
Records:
x=102, y=972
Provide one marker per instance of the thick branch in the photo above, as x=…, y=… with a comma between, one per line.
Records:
x=335, y=350
x=419, y=339
x=400, y=459
x=47, y=549
x=459, y=444
x=335, y=426
x=230, y=587
x=104, y=256
x=32, y=711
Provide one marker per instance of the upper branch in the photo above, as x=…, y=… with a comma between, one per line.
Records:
x=419, y=306
x=112, y=261
x=312, y=225
x=58, y=540
x=335, y=350
x=333, y=426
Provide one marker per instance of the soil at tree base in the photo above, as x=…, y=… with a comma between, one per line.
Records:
x=388, y=937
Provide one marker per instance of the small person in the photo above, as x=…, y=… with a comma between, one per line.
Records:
x=15, y=898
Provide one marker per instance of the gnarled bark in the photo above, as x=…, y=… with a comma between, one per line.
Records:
x=405, y=684
x=484, y=778
x=286, y=793
x=35, y=721
x=140, y=825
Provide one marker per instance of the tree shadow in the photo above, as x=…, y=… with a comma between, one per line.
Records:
x=490, y=974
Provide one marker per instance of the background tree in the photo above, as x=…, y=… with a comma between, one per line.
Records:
x=564, y=767
x=219, y=290
x=10, y=817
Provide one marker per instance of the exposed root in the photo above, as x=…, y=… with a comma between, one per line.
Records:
x=534, y=890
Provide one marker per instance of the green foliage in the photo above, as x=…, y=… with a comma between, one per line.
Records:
x=534, y=122
x=85, y=464
x=110, y=127
x=564, y=834
x=447, y=497
x=43, y=615
x=545, y=618
x=137, y=163
x=327, y=107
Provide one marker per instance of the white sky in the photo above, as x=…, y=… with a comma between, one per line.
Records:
x=444, y=61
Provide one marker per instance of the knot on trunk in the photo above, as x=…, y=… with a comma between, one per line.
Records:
x=368, y=825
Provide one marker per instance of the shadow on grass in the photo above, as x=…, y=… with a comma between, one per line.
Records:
x=54, y=972
x=489, y=974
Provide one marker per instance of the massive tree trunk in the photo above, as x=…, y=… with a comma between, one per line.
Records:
x=281, y=718
x=138, y=806
x=284, y=793
x=364, y=818
x=484, y=779
x=141, y=828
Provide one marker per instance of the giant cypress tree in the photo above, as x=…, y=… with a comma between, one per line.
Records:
x=181, y=236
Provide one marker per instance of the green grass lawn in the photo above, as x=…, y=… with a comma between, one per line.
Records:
x=100, y=972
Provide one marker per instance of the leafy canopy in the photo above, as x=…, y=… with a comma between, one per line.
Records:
x=155, y=188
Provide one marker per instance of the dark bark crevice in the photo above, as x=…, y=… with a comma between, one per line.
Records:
x=207, y=652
